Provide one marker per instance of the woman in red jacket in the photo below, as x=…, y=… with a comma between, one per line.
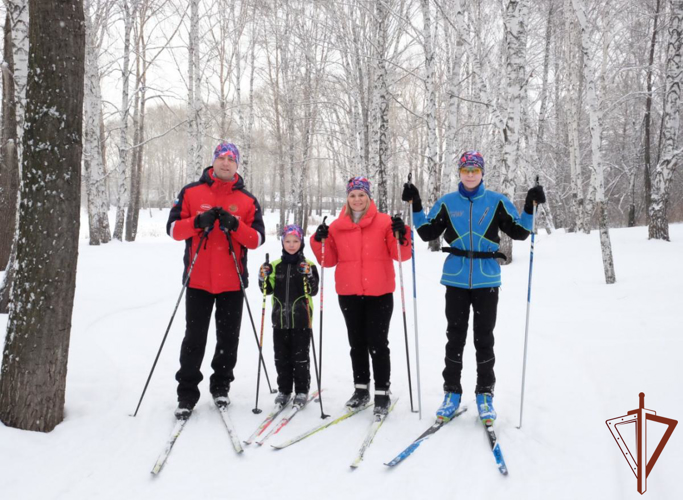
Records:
x=362, y=244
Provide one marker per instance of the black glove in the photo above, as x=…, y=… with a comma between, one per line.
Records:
x=304, y=268
x=534, y=195
x=265, y=271
x=227, y=221
x=322, y=232
x=398, y=226
x=410, y=193
x=205, y=220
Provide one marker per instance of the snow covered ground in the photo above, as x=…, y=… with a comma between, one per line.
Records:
x=593, y=348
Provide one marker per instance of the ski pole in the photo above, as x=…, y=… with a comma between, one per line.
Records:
x=263, y=320
x=323, y=415
x=405, y=323
x=322, y=288
x=205, y=234
x=417, y=344
x=528, y=307
x=251, y=318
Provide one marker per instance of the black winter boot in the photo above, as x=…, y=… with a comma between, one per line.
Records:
x=360, y=397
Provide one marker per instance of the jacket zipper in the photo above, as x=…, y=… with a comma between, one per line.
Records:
x=471, y=243
x=287, y=297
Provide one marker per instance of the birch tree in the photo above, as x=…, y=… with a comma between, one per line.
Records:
x=129, y=11
x=659, y=223
x=595, y=113
x=96, y=14
x=33, y=375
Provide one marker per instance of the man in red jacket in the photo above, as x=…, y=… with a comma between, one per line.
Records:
x=217, y=201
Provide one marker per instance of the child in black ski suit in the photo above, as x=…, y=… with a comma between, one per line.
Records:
x=292, y=280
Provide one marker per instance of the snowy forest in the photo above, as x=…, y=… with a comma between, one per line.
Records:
x=582, y=94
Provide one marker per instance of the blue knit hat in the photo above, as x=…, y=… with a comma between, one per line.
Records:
x=358, y=183
x=293, y=229
x=472, y=159
x=227, y=149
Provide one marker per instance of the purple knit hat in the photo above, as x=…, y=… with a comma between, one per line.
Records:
x=227, y=149
x=293, y=229
x=359, y=183
x=472, y=159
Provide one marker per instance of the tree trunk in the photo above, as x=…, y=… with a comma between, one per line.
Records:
x=647, y=146
x=382, y=108
x=9, y=164
x=430, y=116
x=33, y=381
x=97, y=199
x=122, y=188
x=597, y=176
x=659, y=222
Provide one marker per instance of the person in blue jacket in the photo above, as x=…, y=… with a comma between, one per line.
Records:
x=469, y=220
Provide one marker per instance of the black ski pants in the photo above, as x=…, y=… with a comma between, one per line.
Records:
x=367, y=321
x=292, y=359
x=199, y=305
x=484, y=302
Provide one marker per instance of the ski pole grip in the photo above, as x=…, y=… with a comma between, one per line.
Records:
x=266, y=258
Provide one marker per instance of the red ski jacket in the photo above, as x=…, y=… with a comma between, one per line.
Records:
x=363, y=253
x=214, y=270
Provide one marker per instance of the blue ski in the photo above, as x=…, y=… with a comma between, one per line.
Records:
x=423, y=437
x=495, y=448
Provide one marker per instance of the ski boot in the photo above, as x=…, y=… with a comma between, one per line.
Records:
x=382, y=402
x=184, y=410
x=487, y=413
x=300, y=399
x=282, y=399
x=360, y=397
x=451, y=403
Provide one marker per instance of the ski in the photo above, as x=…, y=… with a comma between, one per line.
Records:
x=377, y=422
x=223, y=410
x=289, y=415
x=495, y=448
x=348, y=413
x=161, y=461
x=436, y=426
x=277, y=409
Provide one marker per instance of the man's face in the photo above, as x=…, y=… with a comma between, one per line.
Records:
x=224, y=167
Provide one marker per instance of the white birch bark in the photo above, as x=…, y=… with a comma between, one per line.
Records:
x=596, y=141
x=95, y=182
x=659, y=223
x=195, y=127
x=516, y=16
x=129, y=9
x=576, y=221
x=18, y=11
x=430, y=115
x=381, y=107
x=454, y=60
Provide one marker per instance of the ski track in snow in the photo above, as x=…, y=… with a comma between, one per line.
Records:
x=592, y=349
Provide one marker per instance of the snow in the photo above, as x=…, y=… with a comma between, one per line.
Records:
x=592, y=348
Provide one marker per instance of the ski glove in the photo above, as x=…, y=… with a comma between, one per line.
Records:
x=205, y=220
x=305, y=268
x=535, y=195
x=410, y=193
x=398, y=226
x=227, y=221
x=265, y=271
x=322, y=232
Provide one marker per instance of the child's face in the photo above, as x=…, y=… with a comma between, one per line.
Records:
x=291, y=244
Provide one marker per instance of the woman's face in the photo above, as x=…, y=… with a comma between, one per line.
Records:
x=358, y=200
x=291, y=244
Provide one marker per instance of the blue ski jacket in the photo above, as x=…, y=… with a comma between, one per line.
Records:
x=471, y=223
